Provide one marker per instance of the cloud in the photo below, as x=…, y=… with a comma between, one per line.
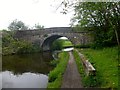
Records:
x=31, y=12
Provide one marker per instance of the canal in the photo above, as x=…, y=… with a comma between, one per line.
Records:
x=26, y=71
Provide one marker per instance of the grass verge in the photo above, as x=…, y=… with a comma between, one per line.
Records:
x=87, y=81
x=55, y=76
x=105, y=62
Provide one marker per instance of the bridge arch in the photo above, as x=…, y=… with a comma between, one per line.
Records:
x=44, y=38
x=46, y=45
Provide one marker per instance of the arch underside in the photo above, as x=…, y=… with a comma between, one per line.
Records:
x=48, y=42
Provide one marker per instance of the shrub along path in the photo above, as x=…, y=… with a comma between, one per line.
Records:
x=71, y=77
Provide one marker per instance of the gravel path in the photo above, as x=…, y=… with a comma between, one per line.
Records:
x=71, y=77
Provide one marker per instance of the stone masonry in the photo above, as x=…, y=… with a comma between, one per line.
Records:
x=45, y=37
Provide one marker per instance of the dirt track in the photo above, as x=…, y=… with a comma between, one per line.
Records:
x=71, y=77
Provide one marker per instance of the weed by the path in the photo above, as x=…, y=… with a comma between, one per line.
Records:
x=55, y=76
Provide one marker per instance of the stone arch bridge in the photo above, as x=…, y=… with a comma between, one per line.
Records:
x=44, y=38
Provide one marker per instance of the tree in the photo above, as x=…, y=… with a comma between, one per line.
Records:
x=17, y=25
x=38, y=26
x=57, y=44
x=103, y=17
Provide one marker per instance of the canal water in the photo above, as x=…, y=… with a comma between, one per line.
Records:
x=26, y=71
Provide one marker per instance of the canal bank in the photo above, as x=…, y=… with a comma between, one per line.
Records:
x=55, y=76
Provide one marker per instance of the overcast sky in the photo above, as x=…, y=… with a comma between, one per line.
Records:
x=32, y=12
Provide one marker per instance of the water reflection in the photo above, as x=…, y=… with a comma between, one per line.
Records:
x=26, y=71
x=26, y=80
x=35, y=63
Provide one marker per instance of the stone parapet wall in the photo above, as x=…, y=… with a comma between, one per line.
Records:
x=40, y=36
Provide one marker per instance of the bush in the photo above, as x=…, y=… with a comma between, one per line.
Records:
x=92, y=81
x=54, y=63
x=11, y=45
x=26, y=47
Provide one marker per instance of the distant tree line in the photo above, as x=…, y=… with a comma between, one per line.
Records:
x=19, y=25
x=11, y=45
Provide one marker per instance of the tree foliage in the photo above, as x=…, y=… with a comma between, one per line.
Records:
x=17, y=25
x=102, y=17
x=57, y=44
x=11, y=45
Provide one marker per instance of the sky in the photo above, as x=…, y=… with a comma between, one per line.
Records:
x=32, y=12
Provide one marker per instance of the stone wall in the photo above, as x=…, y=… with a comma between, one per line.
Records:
x=39, y=36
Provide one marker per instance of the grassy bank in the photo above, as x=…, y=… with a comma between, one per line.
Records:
x=105, y=62
x=55, y=76
x=87, y=81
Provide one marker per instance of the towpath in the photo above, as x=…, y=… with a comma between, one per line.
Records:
x=71, y=77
